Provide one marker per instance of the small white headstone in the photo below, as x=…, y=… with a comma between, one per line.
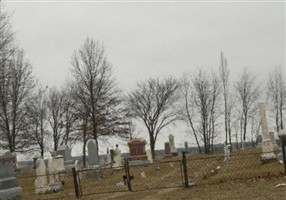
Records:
x=149, y=155
x=117, y=157
x=172, y=144
x=226, y=152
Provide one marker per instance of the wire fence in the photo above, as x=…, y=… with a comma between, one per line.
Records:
x=182, y=171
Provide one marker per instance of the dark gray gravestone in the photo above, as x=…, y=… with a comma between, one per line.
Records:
x=8, y=184
x=65, y=151
x=92, y=153
x=186, y=147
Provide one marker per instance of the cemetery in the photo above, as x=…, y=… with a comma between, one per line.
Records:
x=55, y=178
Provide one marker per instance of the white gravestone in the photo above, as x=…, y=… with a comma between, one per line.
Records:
x=60, y=168
x=172, y=144
x=117, y=157
x=51, y=171
x=267, y=145
x=149, y=155
x=41, y=183
x=226, y=152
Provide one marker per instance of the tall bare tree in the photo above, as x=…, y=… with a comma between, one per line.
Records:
x=37, y=113
x=16, y=86
x=276, y=91
x=95, y=88
x=206, y=94
x=224, y=75
x=247, y=90
x=55, y=115
x=189, y=110
x=154, y=103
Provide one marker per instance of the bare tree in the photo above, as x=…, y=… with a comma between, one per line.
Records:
x=189, y=107
x=224, y=75
x=7, y=37
x=56, y=113
x=206, y=93
x=37, y=113
x=276, y=91
x=95, y=88
x=16, y=86
x=247, y=91
x=69, y=117
x=153, y=102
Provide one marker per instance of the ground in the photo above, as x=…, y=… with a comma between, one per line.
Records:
x=242, y=177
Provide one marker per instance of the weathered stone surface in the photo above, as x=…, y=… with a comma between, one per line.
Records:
x=267, y=145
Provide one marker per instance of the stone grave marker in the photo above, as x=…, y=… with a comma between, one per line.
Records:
x=93, y=161
x=41, y=182
x=167, y=150
x=267, y=145
x=137, y=149
x=117, y=157
x=186, y=147
x=65, y=151
x=172, y=144
x=9, y=189
x=92, y=153
x=149, y=155
x=226, y=148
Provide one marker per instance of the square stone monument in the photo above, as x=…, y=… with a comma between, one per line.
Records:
x=9, y=189
x=137, y=149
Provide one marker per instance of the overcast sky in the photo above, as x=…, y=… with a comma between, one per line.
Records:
x=146, y=39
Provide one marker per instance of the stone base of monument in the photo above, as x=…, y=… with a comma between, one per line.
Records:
x=168, y=155
x=93, y=172
x=11, y=193
x=174, y=154
x=69, y=164
x=268, y=157
x=267, y=152
x=139, y=163
x=55, y=187
x=138, y=157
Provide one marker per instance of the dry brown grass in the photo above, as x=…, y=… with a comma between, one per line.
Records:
x=243, y=177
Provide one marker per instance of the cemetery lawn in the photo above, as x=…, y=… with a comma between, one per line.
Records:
x=242, y=177
x=262, y=189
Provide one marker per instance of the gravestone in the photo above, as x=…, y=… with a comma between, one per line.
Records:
x=92, y=153
x=137, y=149
x=267, y=145
x=9, y=189
x=226, y=152
x=41, y=182
x=93, y=161
x=186, y=147
x=117, y=158
x=167, y=150
x=60, y=169
x=65, y=151
x=51, y=171
x=56, y=173
x=112, y=153
x=173, y=149
x=149, y=155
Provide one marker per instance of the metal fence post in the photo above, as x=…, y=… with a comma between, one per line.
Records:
x=74, y=174
x=284, y=156
x=185, y=170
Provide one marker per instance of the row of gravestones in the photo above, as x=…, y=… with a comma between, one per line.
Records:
x=113, y=157
x=50, y=175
